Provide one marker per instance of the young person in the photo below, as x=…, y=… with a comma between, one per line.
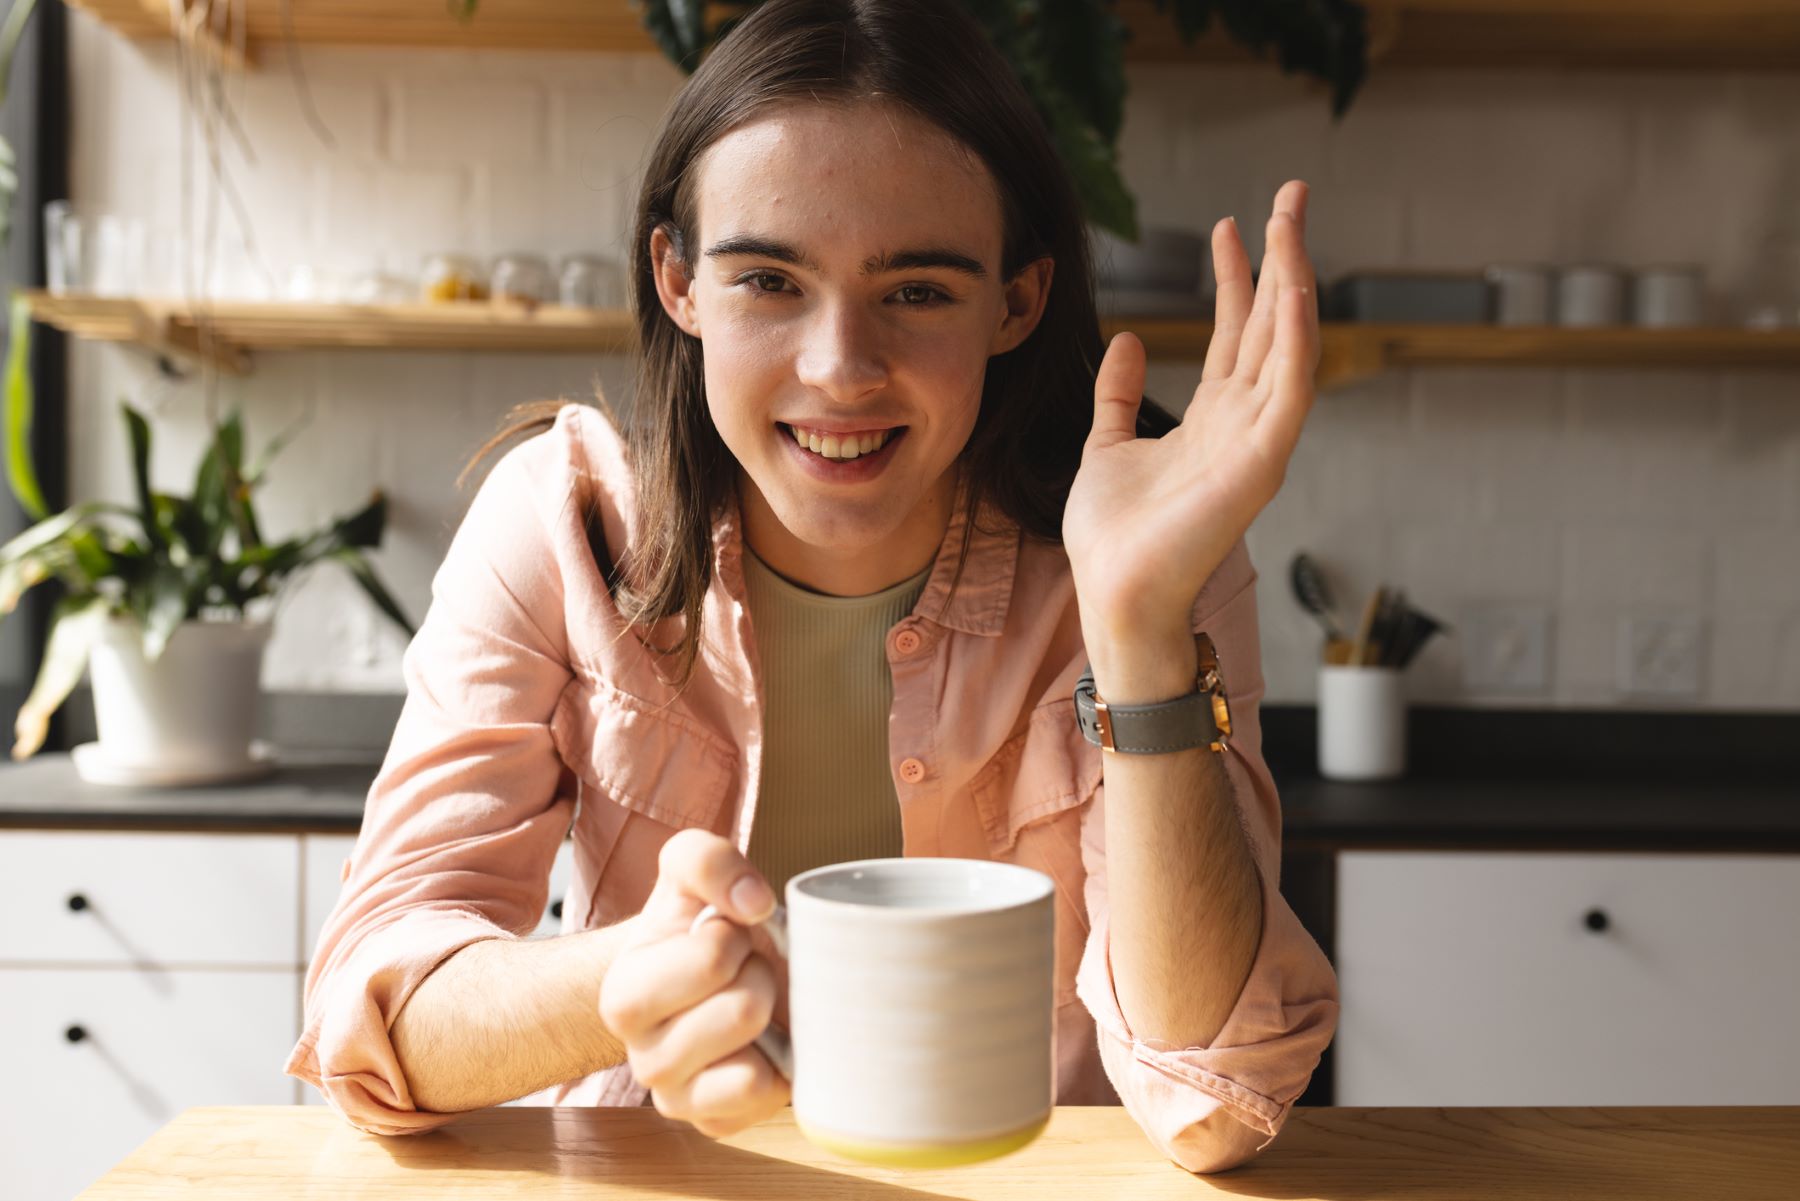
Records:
x=883, y=497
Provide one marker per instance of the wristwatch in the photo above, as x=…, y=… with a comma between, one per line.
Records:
x=1201, y=718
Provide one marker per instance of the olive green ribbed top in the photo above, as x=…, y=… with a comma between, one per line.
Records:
x=827, y=795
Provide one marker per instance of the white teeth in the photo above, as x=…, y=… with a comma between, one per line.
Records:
x=840, y=446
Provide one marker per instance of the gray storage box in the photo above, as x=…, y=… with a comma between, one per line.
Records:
x=1428, y=297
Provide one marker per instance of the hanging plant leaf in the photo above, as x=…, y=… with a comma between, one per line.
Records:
x=75, y=625
x=19, y=405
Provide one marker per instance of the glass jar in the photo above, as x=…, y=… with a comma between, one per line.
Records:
x=588, y=281
x=520, y=279
x=452, y=277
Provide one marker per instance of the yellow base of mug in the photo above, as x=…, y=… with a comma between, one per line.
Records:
x=922, y=1155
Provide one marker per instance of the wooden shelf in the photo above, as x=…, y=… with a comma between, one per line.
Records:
x=231, y=332
x=1660, y=34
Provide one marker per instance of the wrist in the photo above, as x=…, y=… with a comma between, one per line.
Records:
x=1144, y=669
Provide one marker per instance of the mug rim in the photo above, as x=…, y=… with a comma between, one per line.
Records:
x=1039, y=885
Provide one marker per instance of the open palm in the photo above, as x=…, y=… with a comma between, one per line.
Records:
x=1149, y=519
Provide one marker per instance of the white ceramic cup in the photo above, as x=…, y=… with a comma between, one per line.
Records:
x=1362, y=722
x=1590, y=295
x=1668, y=297
x=921, y=1000
x=1522, y=293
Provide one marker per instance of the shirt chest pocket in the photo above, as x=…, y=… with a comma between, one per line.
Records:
x=657, y=762
x=646, y=773
x=1031, y=796
x=1038, y=778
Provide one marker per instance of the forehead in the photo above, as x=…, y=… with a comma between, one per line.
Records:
x=846, y=181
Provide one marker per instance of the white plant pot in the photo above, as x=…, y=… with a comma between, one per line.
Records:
x=192, y=715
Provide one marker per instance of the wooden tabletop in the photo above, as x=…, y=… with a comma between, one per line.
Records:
x=1094, y=1153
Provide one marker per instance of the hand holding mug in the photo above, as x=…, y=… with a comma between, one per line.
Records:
x=688, y=998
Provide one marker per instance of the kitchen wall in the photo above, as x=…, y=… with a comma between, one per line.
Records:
x=1595, y=495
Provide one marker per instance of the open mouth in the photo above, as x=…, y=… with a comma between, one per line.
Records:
x=842, y=447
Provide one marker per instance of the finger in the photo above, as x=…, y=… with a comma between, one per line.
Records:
x=1231, y=309
x=1118, y=389
x=1295, y=272
x=697, y=868
x=650, y=984
x=719, y=1025
x=1280, y=252
x=1294, y=362
x=1259, y=330
x=737, y=1092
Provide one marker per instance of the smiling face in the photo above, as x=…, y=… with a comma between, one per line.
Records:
x=846, y=288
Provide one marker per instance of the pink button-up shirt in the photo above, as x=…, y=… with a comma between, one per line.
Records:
x=526, y=713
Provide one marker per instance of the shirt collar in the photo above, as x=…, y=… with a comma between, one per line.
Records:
x=982, y=595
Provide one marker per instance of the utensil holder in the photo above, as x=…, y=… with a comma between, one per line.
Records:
x=1362, y=722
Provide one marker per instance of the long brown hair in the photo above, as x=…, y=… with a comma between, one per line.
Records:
x=928, y=56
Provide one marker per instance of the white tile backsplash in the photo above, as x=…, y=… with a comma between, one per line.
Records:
x=1600, y=494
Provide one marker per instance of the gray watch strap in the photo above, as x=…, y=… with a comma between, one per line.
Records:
x=1187, y=721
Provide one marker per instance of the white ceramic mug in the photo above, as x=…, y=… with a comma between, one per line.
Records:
x=1522, y=293
x=1668, y=297
x=1362, y=722
x=1590, y=294
x=921, y=998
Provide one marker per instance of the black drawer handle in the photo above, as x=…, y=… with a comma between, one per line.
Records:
x=556, y=911
x=75, y=1034
x=77, y=903
x=1597, y=921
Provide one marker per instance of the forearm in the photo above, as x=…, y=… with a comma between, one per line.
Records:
x=1183, y=889
x=500, y=1019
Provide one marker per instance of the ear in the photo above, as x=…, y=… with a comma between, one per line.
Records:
x=674, y=283
x=1026, y=294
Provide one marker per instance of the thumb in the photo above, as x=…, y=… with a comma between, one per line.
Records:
x=1118, y=389
x=698, y=868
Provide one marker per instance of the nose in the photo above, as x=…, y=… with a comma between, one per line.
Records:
x=841, y=355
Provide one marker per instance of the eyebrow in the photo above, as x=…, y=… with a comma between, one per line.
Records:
x=760, y=246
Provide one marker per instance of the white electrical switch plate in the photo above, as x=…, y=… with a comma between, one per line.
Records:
x=1659, y=657
x=1506, y=648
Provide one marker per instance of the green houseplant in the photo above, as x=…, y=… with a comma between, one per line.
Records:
x=139, y=574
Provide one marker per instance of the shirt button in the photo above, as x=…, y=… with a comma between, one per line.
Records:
x=912, y=771
x=907, y=641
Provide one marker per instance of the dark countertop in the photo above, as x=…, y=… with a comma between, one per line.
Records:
x=311, y=793
x=322, y=795
x=1545, y=814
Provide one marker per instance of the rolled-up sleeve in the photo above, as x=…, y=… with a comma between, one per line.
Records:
x=464, y=818
x=1214, y=1107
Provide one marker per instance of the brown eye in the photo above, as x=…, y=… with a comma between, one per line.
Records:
x=922, y=296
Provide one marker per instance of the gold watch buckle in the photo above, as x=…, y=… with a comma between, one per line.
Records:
x=1213, y=683
x=1104, y=721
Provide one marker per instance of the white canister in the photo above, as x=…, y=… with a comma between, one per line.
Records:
x=1522, y=293
x=1590, y=295
x=1362, y=722
x=1669, y=296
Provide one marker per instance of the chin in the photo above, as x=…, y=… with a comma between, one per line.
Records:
x=840, y=528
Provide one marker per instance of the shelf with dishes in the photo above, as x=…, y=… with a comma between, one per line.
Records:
x=229, y=334
x=1629, y=34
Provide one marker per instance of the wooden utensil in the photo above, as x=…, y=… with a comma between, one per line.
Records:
x=1359, y=651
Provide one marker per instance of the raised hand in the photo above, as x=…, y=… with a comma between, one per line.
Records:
x=1149, y=519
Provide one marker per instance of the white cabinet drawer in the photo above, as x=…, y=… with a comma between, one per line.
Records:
x=149, y=898
x=325, y=856
x=1477, y=979
x=155, y=1043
